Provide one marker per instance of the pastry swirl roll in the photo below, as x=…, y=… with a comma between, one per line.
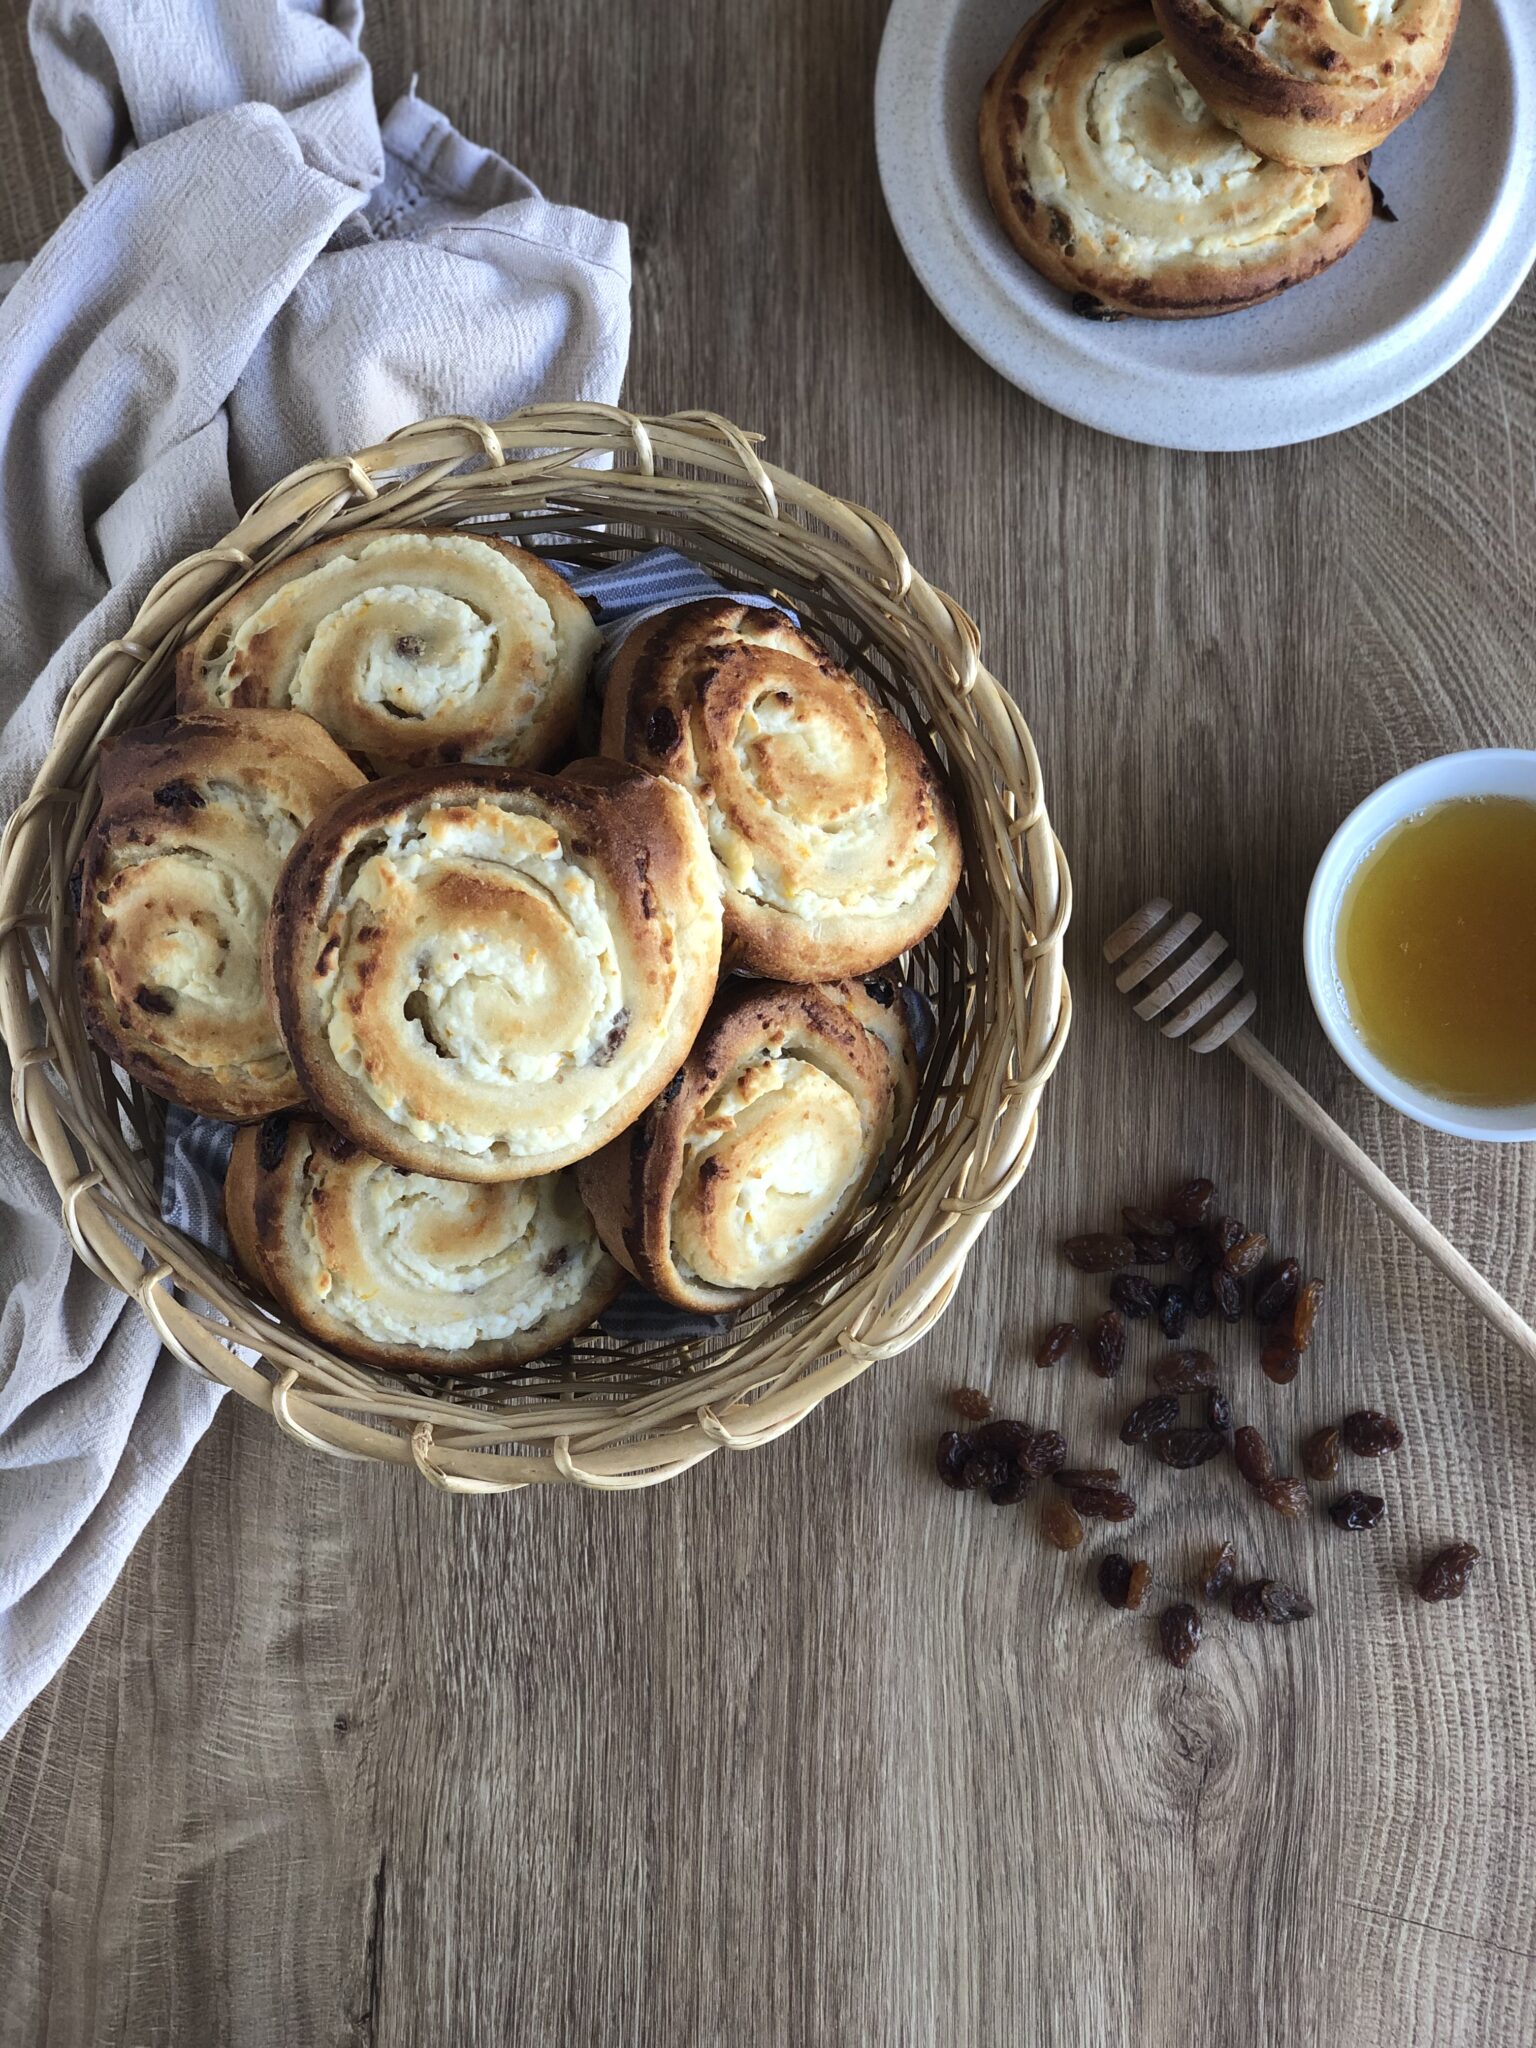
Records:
x=749, y=1168
x=1114, y=179
x=410, y=648
x=197, y=817
x=1311, y=81
x=836, y=841
x=485, y=975
x=405, y=1270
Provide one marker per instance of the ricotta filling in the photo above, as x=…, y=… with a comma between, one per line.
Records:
x=1284, y=203
x=891, y=876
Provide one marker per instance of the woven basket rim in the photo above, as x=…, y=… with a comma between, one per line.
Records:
x=698, y=482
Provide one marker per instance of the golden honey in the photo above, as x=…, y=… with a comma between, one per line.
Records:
x=1436, y=950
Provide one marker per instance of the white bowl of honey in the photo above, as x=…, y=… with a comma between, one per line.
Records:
x=1420, y=943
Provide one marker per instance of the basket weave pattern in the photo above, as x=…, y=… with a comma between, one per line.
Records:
x=604, y=1413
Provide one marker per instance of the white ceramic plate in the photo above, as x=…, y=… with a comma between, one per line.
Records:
x=1395, y=314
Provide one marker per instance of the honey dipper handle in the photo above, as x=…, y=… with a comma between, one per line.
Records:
x=1383, y=1192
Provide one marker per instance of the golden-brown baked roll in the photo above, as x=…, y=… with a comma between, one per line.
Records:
x=485, y=975
x=197, y=817
x=1113, y=178
x=751, y=1165
x=836, y=841
x=1311, y=81
x=405, y=1270
x=410, y=648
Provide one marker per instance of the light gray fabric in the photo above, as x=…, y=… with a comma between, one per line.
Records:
x=258, y=274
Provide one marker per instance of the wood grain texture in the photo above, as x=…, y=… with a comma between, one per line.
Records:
x=802, y=1748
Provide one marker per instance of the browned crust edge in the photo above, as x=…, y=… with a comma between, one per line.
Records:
x=256, y=1217
x=1299, y=121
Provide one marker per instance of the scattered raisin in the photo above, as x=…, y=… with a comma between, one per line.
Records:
x=1246, y=1254
x=1153, y=1251
x=1140, y=1579
x=1114, y=1577
x=1009, y=1485
x=1276, y=1290
x=1369, y=1434
x=1185, y=1448
x=1185, y=1372
x=1218, y=1411
x=1172, y=1312
x=1152, y=1236
x=1445, y=1576
x=1287, y=1497
x=1303, y=1314
x=1190, y=1205
x=1100, y=1253
x=1106, y=1344
x=1102, y=1503
x=957, y=1461
x=1224, y=1235
x=1248, y=1601
x=1320, y=1453
x=1044, y=1453
x=1134, y=1296
x=1269, y=1601
x=1280, y=1363
x=1002, y=1437
x=1202, y=1300
x=1150, y=1418
x=1356, y=1510
x=1253, y=1456
x=1216, y=1570
x=1056, y=1343
x=970, y=1402
x=1061, y=1524
x=1227, y=1293
x=1179, y=1631
x=1145, y=1223
x=1189, y=1251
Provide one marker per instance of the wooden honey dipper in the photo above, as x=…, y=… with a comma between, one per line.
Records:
x=1190, y=989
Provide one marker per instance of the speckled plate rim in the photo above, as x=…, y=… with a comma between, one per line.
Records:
x=1015, y=322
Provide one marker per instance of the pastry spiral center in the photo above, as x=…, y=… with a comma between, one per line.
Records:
x=407, y=1259
x=1148, y=118
x=797, y=792
x=475, y=980
x=815, y=755
x=772, y=1164
x=415, y=653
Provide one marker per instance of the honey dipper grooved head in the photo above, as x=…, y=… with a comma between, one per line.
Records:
x=1186, y=982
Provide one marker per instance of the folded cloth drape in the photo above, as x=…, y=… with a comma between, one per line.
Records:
x=260, y=273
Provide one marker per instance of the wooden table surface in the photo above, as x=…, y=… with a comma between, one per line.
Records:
x=802, y=1748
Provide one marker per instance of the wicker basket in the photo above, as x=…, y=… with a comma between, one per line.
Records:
x=603, y=1413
